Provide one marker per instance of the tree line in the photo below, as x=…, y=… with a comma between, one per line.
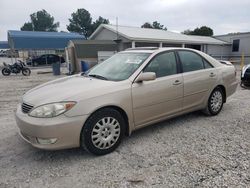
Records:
x=81, y=22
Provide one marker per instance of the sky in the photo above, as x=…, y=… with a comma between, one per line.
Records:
x=223, y=16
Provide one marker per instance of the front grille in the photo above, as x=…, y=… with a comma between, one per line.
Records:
x=26, y=108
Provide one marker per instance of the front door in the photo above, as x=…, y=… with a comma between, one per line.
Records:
x=162, y=97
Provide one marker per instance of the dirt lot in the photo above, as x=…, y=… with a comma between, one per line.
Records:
x=188, y=151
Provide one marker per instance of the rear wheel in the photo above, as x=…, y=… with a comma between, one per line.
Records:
x=215, y=102
x=103, y=131
x=26, y=71
x=6, y=72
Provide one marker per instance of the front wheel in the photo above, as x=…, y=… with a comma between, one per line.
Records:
x=6, y=72
x=215, y=102
x=103, y=131
x=26, y=71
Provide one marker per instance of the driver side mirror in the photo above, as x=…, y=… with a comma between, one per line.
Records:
x=146, y=76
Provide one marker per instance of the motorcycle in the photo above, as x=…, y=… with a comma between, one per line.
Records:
x=16, y=68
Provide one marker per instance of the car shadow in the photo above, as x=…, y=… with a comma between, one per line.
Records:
x=169, y=124
x=43, y=155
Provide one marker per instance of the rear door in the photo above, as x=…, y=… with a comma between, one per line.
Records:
x=157, y=99
x=56, y=58
x=41, y=60
x=199, y=78
x=51, y=59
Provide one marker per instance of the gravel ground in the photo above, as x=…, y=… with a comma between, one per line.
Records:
x=189, y=151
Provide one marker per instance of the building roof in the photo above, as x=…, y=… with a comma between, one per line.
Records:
x=40, y=40
x=234, y=34
x=156, y=35
x=4, y=45
x=79, y=42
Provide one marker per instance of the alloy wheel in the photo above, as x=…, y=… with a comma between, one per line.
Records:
x=216, y=101
x=105, y=133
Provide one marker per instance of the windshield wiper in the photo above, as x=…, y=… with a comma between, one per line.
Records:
x=98, y=76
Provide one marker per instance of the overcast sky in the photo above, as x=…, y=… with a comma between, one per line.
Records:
x=223, y=16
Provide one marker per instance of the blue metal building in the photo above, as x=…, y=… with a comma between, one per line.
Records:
x=34, y=40
x=4, y=45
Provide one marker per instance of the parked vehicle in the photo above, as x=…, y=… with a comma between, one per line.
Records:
x=3, y=53
x=16, y=68
x=245, y=76
x=128, y=91
x=46, y=59
x=12, y=53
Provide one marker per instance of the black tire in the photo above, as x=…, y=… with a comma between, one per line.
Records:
x=6, y=72
x=88, y=133
x=244, y=85
x=213, y=109
x=26, y=71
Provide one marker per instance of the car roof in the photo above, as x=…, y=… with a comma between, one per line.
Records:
x=155, y=49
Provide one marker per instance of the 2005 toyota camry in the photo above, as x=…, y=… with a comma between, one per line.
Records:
x=130, y=90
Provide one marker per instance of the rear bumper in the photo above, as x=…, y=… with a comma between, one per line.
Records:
x=64, y=131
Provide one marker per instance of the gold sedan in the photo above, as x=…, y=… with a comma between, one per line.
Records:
x=130, y=90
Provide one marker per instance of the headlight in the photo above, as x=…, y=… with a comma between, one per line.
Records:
x=51, y=110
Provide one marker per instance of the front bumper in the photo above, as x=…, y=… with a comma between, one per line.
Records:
x=65, y=130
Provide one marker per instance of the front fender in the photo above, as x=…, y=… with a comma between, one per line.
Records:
x=121, y=99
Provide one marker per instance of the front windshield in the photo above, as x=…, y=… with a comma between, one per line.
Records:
x=119, y=67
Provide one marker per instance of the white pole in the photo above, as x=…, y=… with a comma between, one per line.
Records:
x=117, y=35
x=133, y=44
x=221, y=51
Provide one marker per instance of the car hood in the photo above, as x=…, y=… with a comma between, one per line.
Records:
x=73, y=88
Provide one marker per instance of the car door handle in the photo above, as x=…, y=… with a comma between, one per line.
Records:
x=177, y=82
x=212, y=74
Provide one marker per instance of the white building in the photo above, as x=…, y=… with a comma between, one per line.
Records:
x=240, y=44
x=129, y=37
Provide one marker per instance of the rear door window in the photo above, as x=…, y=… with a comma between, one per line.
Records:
x=190, y=61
